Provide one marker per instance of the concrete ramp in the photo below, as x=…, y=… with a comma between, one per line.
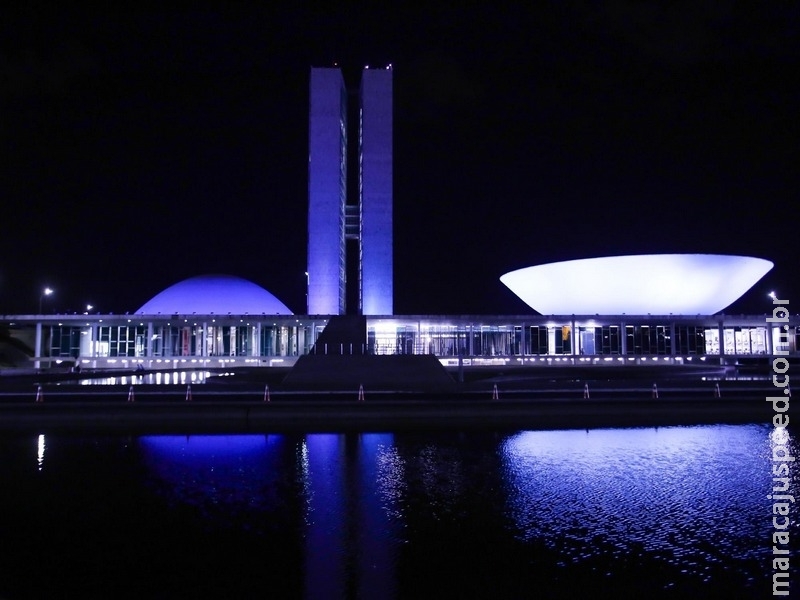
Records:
x=319, y=372
x=344, y=334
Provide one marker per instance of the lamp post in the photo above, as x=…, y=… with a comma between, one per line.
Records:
x=46, y=292
x=89, y=308
x=772, y=295
x=308, y=281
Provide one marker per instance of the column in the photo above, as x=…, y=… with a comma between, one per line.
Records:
x=575, y=337
x=770, y=343
x=672, y=339
x=38, y=345
x=149, y=344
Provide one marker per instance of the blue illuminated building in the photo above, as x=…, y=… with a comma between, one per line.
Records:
x=327, y=192
x=641, y=309
x=375, y=192
x=368, y=219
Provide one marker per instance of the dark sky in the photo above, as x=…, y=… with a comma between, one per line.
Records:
x=144, y=147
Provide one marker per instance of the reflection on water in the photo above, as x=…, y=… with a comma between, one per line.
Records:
x=351, y=519
x=413, y=515
x=693, y=497
x=230, y=478
x=182, y=377
x=40, y=451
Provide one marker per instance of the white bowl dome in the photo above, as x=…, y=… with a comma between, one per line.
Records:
x=637, y=285
x=214, y=294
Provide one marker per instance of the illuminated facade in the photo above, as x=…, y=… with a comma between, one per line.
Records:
x=223, y=321
x=156, y=341
x=220, y=320
x=635, y=309
x=375, y=192
x=681, y=284
x=331, y=220
x=327, y=192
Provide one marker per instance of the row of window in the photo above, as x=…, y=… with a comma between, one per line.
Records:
x=249, y=340
x=631, y=340
x=172, y=341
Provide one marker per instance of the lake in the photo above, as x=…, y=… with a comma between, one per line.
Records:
x=657, y=512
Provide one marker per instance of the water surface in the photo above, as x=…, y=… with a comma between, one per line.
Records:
x=648, y=511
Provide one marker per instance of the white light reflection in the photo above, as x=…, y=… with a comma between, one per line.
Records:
x=376, y=497
x=305, y=478
x=40, y=452
x=391, y=479
x=158, y=378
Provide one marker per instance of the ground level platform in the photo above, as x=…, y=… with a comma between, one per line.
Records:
x=249, y=408
x=250, y=417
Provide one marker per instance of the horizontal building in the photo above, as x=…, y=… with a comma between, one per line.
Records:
x=125, y=341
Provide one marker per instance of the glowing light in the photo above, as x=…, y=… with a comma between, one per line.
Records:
x=40, y=452
x=639, y=284
x=46, y=292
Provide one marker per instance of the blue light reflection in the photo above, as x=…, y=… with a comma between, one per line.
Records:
x=352, y=485
x=690, y=495
x=227, y=477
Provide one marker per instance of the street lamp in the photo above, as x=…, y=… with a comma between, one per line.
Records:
x=772, y=295
x=308, y=282
x=89, y=307
x=46, y=292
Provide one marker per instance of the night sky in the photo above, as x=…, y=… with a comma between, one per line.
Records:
x=145, y=147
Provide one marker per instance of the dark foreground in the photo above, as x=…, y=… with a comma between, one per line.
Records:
x=667, y=512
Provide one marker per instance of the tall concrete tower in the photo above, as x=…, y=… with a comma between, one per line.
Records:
x=368, y=219
x=327, y=192
x=375, y=192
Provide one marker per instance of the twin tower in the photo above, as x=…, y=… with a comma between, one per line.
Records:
x=338, y=220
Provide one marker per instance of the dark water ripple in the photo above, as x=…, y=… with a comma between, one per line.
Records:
x=693, y=496
x=680, y=510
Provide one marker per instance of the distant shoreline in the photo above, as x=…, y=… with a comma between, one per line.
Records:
x=343, y=413
x=256, y=401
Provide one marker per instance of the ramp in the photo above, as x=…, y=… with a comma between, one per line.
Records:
x=336, y=372
x=344, y=334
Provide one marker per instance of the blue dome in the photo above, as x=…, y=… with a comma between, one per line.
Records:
x=214, y=294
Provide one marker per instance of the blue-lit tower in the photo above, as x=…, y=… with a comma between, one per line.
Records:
x=375, y=192
x=368, y=218
x=327, y=192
